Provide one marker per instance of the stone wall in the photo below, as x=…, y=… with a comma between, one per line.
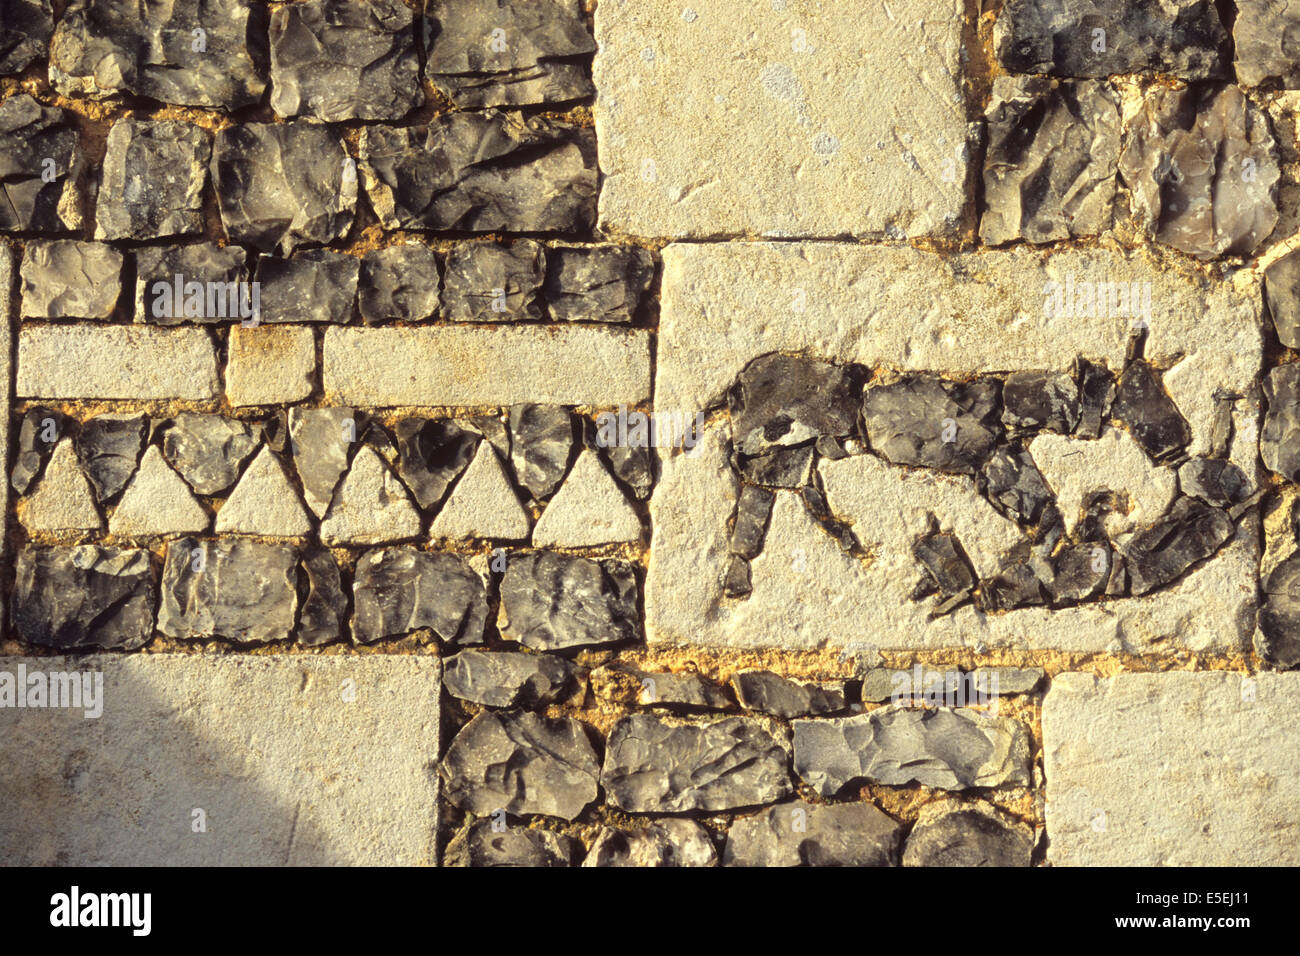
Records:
x=475, y=432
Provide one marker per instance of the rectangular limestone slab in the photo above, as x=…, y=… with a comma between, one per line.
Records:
x=116, y=362
x=292, y=760
x=1173, y=769
x=448, y=365
x=785, y=118
x=906, y=309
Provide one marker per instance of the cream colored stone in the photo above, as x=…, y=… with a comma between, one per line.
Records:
x=483, y=504
x=269, y=364
x=62, y=500
x=116, y=361
x=157, y=501
x=264, y=502
x=589, y=510
x=370, y=506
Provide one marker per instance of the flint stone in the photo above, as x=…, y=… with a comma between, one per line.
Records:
x=1182, y=37
x=948, y=748
x=1096, y=393
x=1035, y=400
x=922, y=420
x=521, y=763
x=241, y=591
x=320, y=438
x=770, y=693
x=399, y=282
x=686, y=690
x=70, y=279
x=314, y=286
x=1189, y=533
x=554, y=601
x=282, y=185
x=1049, y=168
x=152, y=180
x=108, y=448
x=34, y=450
x=1215, y=481
x=880, y=684
x=399, y=590
x=85, y=596
x=104, y=47
x=811, y=834
x=432, y=454
x=1080, y=571
x=1014, y=486
x=749, y=524
x=511, y=678
x=602, y=283
x=945, y=563
x=25, y=32
x=480, y=845
x=1282, y=293
x=737, y=579
x=1202, y=165
x=214, y=267
x=1152, y=418
x=325, y=604
x=662, y=843
x=541, y=441
x=35, y=195
x=208, y=450
x=967, y=835
x=1278, y=640
x=653, y=766
x=778, y=467
x=634, y=467
x=1279, y=438
x=482, y=172
x=782, y=401
x=338, y=60
x=486, y=282
x=1021, y=580
x=1264, y=38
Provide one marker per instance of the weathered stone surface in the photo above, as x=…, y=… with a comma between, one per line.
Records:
x=108, y=447
x=38, y=435
x=1278, y=639
x=1152, y=418
x=512, y=678
x=1040, y=400
x=324, y=606
x=923, y=420
x=1263, y=38
x=1279, y=437
x=1014, y=485
x=344, y=60
x=482, y=53
x=398, y=282
x=152, y=180
x=653, y=765
x=1202, y=165
x=399, y=590
x=749, y=524
x=772, y=694
x=25, y=33
x=939, y=686
x=318, y=285
x=483, y=504
x=1282, y=293
x=62, y=501
x=589, y=510
x=285, y=771
x=541, y=441
x=69, y=279
x=1191, y=532
x=85, y=596
x=432, y=454
x=370, y=506
x=208, y=450
x=487, y=282
x=1182, y=37
x=1049, y=168
x=450, y=366
x=553, y=601
x=1215, y=481
x=662, y=843
x=157, y=501
x=1171, y=769
x=480, y=844
x=116, y=362
x=232, y=589
x=602, y=283
x=207, y=263
x=621, y=683
x=269, y=365
x=974, y=834
x=40, y=162
x=811, y=834
x=482, y=172
x=521, y=763
x=805, y=157
x=950, y=748
x=1096, y=394
x=282, y=185
x=321, y=438
x=264, y=503
x=634, y=465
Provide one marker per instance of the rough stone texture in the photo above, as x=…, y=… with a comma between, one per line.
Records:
x=314, y=286
x=481, y=844
x=432, y=454
x=320, y=440
x=950, y=748
x=82, y=597
x=921, y=420
x=602, y=283
x=1173, y=769
x=344, y=60
x=156, y=268
x=1282, y=293
x=1014, y=486
x=553, y=601
x=574, y=365
x=1202, y=165
x=772, y=694
x=482, y=172
x=684, y=690
x=541, y=442
x=1214, y=481
x=974, y=834
x=282, y=185
x=323, y=608
x=486, y=282
x=1264, y=40
x=62, y=501
x=36, y=195
x=1191, y=532
x=1040, y=400
x=662, y=843
x=1152, y=418
x=208, y=450
x=521, y=763
x=512, y=678
x=1279, y=436
x=370, y=506
x=287, y=770
x=399, y=590
x=589, y=510
x=232, y=589
x=1278, y=638
x=264, y=503
x=810, y=834
x=483, y=504
x=269, y=365
x=152, y=180
x=6, y=398
x=108, y=447
x=398, y=282
x=113, y=362
x=68, y=279
x=25, y=33
x=1182, y=37
x=653, y=765
x=934, y=686
x=814, y=122
x=41, y=427
x=1049, y=168
x=156, y=502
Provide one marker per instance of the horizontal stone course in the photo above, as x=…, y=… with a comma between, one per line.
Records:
x=116, y=362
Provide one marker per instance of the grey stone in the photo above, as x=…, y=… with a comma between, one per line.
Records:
x=1014, y=486
x=106, y=47
x=487, y=282
x=923, y=420
x=1049, y=168
x=232, y=589
x=1264, y=36
x=341, y=60
x=399, y=282
x=737, y=579
x=654, y=766
x=685, y=690
x=36, y=195
x=481, y=844
x=512, y=678
x=208, y=450
x=1282, y=293
x=1189, y=533
x=39, y=432
x=482, y=172
x=947, y=748
x=1279, y=437
x=87, y=596
x=749, y=523
x=25, y=32
x=63, y=502
x=662, y=843
x=965, y=835
x=318, y=285
x=553, y=601
x=938, y=687
x=69, y=279
x=812, y=834
x=1142, y=404
x=1202, y=165
x=151, y=184
x=108, y=448
x=541, y=442
x=1215, y=481
x=207, y=263
x=770, y=693
x=1008, y=680
x=432, y=454
x=781, y=401
x=1096, y=393
x=324, y=606
x=1021, y=580
x=320, y=439
x=634, y=466
x=399, y=590
x=1080, y=571
x=778, y=467
x=1037, y=400
x=521, y=763
x=282, y=185
x=946, y=566
x=604, y=283
x=1278, y=639
x=1182, y=37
